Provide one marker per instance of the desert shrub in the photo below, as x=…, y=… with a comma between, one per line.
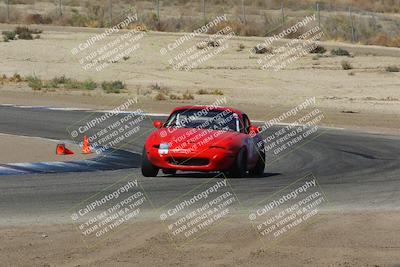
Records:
x=160, y=97
x=73, y=84
x=263, y=50
x=202, y=92
x=60, y=79
x=25, y=36
x=34, y=82
x=155, y=86
x=241, y=47
x=187, y=96
x=16, y=78
x=395, y=41
x=9, y=35
x=113, y=87
x=340, y=52
x=213, y=43
x=22, y=33
x=160, y=89
x=21, y=30
x=346, y=65
x=318, y=50
x=213, y=92
x=37, y=19
x=217, y=92
x=89, y=85
x=67, y=83
x=174, y=97
x=392, y=69
x=50, y=84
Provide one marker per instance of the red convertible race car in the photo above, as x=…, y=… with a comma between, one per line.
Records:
x=204, y=138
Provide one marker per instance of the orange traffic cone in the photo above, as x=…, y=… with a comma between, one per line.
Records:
x=62, y=150
x=86, y=147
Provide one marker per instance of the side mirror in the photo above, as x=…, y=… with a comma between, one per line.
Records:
x=253, y=130
x=157, y=124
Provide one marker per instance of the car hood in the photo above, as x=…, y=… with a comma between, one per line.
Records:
x=190, y=138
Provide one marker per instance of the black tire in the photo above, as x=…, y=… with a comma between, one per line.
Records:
x=258, y=170
x=239, y=167
x=148, y=169
x=168, y=171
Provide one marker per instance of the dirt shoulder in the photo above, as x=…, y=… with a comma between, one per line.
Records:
x=17, y=149
x=353, y=239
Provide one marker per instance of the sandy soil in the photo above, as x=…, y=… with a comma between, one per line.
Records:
x=15, y=149
x=329, y=240
x=369, y=100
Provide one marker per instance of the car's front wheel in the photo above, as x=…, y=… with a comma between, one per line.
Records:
x=258, y=170
x=148, y=169
x=239, y=167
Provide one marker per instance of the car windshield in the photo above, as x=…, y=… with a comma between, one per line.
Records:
x=204, y=119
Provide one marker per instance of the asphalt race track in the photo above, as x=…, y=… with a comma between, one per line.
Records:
x=356, y=171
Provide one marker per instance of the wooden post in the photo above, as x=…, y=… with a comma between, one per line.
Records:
x=353, y=37
x=318, y=15
x=158, y=10
x=8, y=10
x=204, y=12
x=243, y=12
x=110, y=12
x=282, y=12
x=60, y=7
x=374, y=21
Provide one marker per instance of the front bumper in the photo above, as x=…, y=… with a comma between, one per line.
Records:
x=212, y=159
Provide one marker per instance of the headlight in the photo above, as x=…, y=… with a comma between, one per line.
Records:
x=163, y=149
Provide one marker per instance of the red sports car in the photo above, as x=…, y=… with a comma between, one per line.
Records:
x=204, y=138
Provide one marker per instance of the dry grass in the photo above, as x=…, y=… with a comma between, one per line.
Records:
x=207, y=92
x=163, y=93
x=160, y=97
x=187, y=96
x=16, y=78
x=261, y=17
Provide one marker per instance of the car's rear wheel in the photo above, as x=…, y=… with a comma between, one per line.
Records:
x=258, y=170
x=169, y=171
x=148, y=169
x=239, y=167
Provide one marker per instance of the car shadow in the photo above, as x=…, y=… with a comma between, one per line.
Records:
x=208, y=175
